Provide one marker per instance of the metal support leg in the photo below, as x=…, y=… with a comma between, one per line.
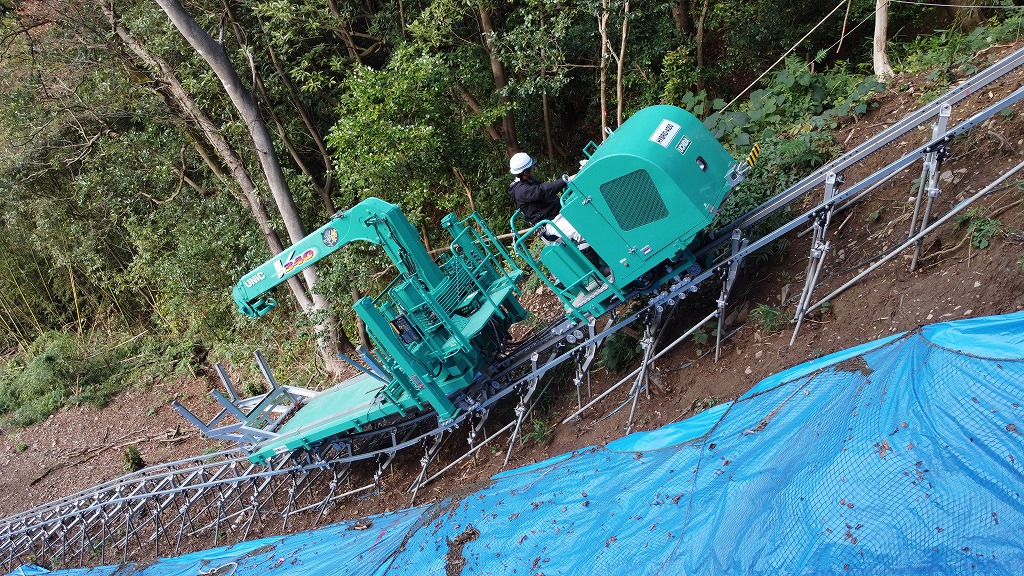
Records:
x=478, y=417
x=523, y=407
x=583, y=359
x=929, y=181
x=738, y=243
x=648, y=343
x=425, y=461
x=819, y=248
x=332, y=489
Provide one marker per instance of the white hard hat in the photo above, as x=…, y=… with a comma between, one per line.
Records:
x=520, y=162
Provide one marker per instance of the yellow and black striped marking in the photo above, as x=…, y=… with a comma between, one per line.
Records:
x=752, y=157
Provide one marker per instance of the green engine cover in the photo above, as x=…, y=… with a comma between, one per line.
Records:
x=647, y=191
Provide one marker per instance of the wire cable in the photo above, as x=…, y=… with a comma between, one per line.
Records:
x=949, y=6
x=787, y=53
x=839, y=42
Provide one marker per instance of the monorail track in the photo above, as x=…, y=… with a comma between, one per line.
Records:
x=172, y=508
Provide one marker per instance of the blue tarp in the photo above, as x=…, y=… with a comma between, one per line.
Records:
x=901, y=456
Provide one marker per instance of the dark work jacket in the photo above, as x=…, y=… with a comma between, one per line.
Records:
x=537, y=201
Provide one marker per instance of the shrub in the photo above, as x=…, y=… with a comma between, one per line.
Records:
x=618, y=351
x=981, y=229
x=132, y=460
x=67, y=370
x=541, y=432
x=769, y=319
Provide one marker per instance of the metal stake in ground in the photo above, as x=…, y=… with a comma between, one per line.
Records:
x=819, y=248
x=428, y=457
x=648, y=343
x=929, y=179
x=583, y=359
x=730, y=278
x=522, y=407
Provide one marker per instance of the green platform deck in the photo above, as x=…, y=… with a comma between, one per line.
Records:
x=343, y=408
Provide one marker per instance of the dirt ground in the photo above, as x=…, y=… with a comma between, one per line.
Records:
x=80, y=447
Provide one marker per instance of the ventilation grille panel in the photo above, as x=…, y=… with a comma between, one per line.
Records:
x=634, y=200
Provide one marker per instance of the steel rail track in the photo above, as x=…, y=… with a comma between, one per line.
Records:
x=966, y=88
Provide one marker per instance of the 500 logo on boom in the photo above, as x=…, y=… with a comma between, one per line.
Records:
x=286, y=266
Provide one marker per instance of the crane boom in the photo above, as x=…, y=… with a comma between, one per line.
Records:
x=372, y=220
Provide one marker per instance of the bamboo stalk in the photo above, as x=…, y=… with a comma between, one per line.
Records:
x=74, y=296
x=113, y=298
x=28, y=305
x=11, y=323
x=42, y=278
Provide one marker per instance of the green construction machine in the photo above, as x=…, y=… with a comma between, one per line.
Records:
x=434, y=327
x=639, y=201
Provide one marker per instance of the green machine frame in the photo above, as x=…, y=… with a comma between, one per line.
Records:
x=434, y=327
x=638, y=201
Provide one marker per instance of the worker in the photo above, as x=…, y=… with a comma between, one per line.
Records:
x=539, y=201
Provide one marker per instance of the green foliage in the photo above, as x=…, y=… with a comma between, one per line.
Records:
x=540, y=433
x=704, y=333
x=681, y=75
x=953, y=51
x=401, y=137
x=796, y=100
x=769, y=319
x=701, y=404
x=982, y=229
x=949, y=54
x=790, y=119
x=131, y=459
x=63, y=370
x=773, y=252
x=116, y=224
x=536, y=45
x=619, y=350
x=253, y=387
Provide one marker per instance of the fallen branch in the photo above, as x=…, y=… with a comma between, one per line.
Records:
x=958, y=246
x=169, y=435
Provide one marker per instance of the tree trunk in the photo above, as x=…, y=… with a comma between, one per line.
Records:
x=236, y=167
x=324, y=188
x=508, y=123
x=883, y=71
x=216, y=56
x=681, y=16
x=602, y=27
x=465, y=187
x=966, y=16
x=547, y=125
x=545, y=103
x=700, y=44
x=330, y=338
x=621, y=63
x=364, y=339
x=475, y=106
